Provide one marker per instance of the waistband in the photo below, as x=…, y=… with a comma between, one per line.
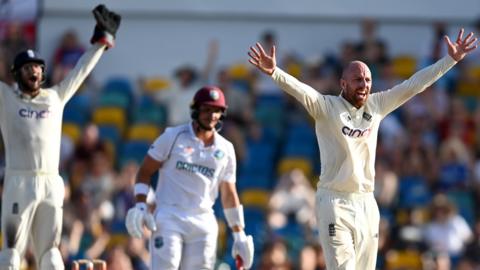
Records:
x=180, y=209
x=344, y=195
x=30, y=172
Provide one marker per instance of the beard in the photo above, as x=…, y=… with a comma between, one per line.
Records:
x=31, y=84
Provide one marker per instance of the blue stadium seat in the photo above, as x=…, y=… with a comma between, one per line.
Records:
x=133, y=150
x=413, y=191
x=77, y=110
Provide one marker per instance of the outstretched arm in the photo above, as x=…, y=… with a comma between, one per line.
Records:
x=310, y=98
x=103, y=37
x=393, y=98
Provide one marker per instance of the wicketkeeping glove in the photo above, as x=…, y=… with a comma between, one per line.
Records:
x=106, y=27
x=138, y=216
x=243, y=247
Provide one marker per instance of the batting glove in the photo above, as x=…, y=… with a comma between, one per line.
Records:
x=243, y=247
x=138, y=216
x=107, y=25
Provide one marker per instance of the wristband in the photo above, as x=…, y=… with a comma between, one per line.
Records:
x=141, y=189
x=234, y=216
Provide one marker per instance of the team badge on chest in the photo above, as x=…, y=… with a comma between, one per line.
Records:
x=218, y=154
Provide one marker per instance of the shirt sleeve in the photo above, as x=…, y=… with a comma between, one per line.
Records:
x=161, y=147
x=311, y=99
x=391, y=99
x=75, y=78
x=228, y=174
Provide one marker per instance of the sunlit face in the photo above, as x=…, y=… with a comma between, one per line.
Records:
x=31, y=76
x=356, y=83
x=209, y=116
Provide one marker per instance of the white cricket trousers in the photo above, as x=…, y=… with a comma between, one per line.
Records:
x=185, y=239
x=33, y=202
x=348, y=229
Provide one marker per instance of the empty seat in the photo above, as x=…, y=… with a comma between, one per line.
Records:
x=143, y=132
x=110, y=116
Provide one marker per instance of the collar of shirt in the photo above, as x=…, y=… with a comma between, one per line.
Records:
x=192, y=133
x=22, y=95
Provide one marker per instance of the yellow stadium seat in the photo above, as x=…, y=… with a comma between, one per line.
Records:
x=110, y=116
x=73, y=131
x=255, y=198
x=403, y=259
x=143, y=132
x=289, y=163
x=404, y=66
x=154, y=84
x=118, y=239
x=239, y=72
x=474, y=72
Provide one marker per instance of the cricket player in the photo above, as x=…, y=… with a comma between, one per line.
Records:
x=30, y=122
x=347, y=128
x=194, y=163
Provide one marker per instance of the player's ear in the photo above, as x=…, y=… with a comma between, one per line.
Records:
x=343, y=84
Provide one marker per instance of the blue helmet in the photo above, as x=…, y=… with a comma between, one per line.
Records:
x=25, y=57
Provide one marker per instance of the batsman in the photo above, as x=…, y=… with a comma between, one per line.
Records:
x=31, y=122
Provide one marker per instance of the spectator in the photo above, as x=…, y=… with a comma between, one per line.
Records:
x=447, y=232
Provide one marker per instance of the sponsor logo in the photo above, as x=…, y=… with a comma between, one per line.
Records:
x=15, y=208
x=158, y=242
x=214, y=95
x=331, y=230
x=33, y=114
x=367, y=116
x=355, y=132
x=195, y=168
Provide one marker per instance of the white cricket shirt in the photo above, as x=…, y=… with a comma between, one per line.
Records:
x=32, y=127
x=347, y=136
x=191, y=172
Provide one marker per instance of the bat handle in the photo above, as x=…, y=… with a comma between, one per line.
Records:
x=239, y=263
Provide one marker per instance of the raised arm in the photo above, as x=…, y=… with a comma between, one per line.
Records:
x=311, y=99
x=393, y=98
x=103, y=38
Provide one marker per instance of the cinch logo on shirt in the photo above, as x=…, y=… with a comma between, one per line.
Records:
x=355, y=132
x=30, y=113
x=195, y=168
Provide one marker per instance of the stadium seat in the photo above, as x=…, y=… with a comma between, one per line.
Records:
x=110, y=116
x=156, y=83
x=133, y=151
x=255, y=198
x=403, y=259
x=289, y=163
x=404, y=66
x=115, y=99
x=72, y=130
x=149, y=112
x=143, y=132
x=77, y=110
x=118, y=83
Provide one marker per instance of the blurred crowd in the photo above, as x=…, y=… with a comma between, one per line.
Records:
x=427, y=171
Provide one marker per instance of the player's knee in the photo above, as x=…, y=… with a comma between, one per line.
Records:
x=52, y=260
x=9, y=259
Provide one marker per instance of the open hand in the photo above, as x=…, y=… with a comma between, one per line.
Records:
x=263, y=61
x=462, y=46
